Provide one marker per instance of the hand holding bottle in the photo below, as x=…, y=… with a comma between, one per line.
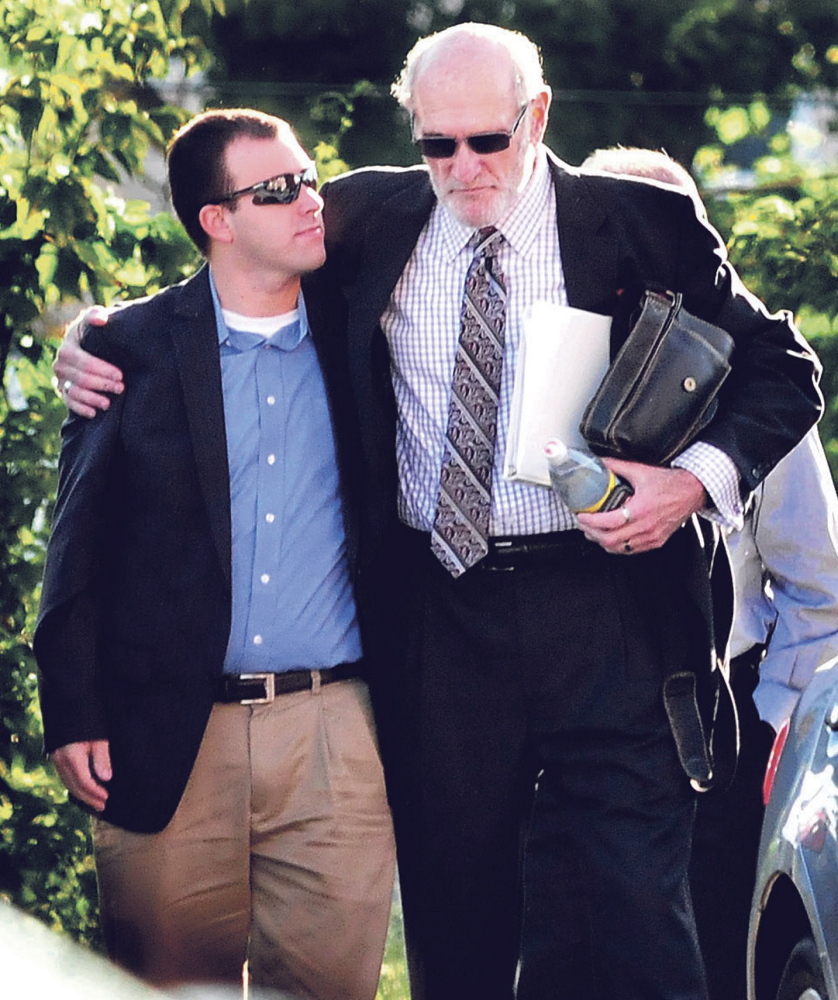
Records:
x=582, y=481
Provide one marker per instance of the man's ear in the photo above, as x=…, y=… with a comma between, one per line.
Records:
x=539, y=113
x=214, y=221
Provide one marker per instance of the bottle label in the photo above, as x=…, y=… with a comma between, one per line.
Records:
x=616, y=492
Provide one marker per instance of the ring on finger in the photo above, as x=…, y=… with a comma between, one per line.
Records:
x=627, y=547
x=66, y=385
x=626, y=513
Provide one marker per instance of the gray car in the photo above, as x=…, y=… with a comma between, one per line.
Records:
x=793, y=942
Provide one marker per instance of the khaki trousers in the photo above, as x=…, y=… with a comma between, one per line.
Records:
x=280, y=853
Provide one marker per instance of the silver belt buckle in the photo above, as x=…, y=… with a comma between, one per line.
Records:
x=269, y=688
x=499, y=549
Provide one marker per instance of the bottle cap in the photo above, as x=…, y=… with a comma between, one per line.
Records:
x=556, y=449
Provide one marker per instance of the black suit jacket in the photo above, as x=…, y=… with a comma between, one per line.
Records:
x=136, y=604
x=617, y=236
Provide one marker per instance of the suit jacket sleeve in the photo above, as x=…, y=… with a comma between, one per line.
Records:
x=66, y=634
x=771, y=397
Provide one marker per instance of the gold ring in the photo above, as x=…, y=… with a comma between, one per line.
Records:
x=626, y=513
x=626, y=546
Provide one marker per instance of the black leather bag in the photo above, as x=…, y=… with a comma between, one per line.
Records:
x=660, y=390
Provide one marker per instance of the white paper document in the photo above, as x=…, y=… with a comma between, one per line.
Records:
x=563, y=357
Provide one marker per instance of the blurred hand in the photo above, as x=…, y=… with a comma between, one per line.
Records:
x=84, y=768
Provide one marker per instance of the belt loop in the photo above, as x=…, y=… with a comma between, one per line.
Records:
x=315, y=682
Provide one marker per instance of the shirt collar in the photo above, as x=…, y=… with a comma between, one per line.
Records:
x=286, y=337
x=520, y=226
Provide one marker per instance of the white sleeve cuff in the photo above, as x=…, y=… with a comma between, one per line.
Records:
x=720, y=478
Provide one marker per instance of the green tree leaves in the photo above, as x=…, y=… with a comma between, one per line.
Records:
x=782, y=233
x=78, y=112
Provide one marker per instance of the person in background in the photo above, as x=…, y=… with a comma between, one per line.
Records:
x=198, y=641
x=785, y=573
x=523, y=717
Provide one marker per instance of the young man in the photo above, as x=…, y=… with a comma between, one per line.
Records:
x=523, y=713
x=198, y=641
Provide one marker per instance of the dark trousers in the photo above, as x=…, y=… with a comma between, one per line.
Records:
x=726, y=844
x=525, y=733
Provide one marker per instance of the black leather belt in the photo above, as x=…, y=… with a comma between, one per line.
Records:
x=260, y=689
x=520, y=551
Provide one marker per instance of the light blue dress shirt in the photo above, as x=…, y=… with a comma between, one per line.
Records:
x=785, y=571
x=293, y=605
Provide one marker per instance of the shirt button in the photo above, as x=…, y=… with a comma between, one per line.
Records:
x=270, y=518
x=265, y=578
x=271, y=400
x=257, y=640
x=271, y=459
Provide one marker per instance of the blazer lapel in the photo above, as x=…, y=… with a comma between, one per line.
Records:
x=385, y=248
x=196, y=355
x=389, y=241
x=587, y=242
x=328, y=333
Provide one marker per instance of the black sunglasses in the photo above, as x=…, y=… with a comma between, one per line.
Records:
x=280, y=190
x=443, y=147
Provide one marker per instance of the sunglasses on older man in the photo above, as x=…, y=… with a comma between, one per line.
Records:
x=443, y=147
x=283, y=189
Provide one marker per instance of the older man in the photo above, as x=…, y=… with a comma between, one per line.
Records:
x=525, y=716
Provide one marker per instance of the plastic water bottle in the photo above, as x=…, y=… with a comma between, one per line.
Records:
x=582, y=481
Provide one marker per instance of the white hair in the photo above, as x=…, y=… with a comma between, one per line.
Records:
x=524, y=54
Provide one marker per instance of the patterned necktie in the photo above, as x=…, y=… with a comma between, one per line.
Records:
x=460, y=533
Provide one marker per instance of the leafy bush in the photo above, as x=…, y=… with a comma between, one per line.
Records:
x=782, y=236
x=76, y=112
